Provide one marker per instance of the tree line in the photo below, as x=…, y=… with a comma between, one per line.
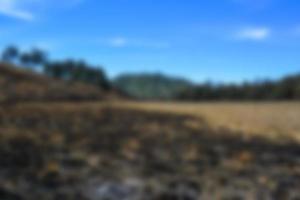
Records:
x=153, y=86
x=287, y=88
x=160, y=87
x=68, y=70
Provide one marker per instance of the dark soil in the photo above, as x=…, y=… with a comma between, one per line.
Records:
x=96, y=153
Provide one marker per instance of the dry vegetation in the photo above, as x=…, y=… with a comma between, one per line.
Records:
x=279, y=121
x=19, y=85
x=141, y=151
x=97, y=151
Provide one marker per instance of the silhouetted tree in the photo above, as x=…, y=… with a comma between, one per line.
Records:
x=33, y=59
x=71, y=70
x=10, y=54
x=26, y=59
x=38, y=57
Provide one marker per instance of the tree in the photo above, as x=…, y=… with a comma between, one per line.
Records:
x=38, y=57
x=10, y=54
x=54, y=70
x=78, y=71
x=26, y=59
x=34, y=58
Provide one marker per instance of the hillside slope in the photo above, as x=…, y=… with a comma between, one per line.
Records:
x=18, y=85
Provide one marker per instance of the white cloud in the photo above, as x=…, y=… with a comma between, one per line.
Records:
x=14, y=8
x=120, y=42
x=258, y=33
x=24, y=9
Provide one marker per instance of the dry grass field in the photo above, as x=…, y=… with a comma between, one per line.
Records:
x=279, y=121
x=149, y=151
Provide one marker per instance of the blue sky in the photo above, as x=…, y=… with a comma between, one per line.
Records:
x=219, y=40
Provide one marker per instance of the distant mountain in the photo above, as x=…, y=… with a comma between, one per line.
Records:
x=151, y=86
x=19, y=85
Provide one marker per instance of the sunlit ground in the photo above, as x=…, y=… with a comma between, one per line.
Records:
x=274, y=120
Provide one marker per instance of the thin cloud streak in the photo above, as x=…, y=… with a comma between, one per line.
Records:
x=12, y=8
x=23, y=15
x=122, y=42
x=255, y=34
x=118, y=42
x=26, y=9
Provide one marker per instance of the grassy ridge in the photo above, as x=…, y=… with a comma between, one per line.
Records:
x=18, y=85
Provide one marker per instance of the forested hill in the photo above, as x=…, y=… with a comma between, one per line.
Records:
x=160, y=87
x=151, y=86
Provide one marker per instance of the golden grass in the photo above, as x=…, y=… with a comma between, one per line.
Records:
x=273, y=120
x=278, y=121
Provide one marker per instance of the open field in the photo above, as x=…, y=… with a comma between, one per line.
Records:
x=278, y=121
x=97, y=151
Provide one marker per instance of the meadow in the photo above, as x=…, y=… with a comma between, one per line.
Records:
x=277, y=121
x=156, y=151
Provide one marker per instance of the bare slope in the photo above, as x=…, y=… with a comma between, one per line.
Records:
x=18, y=85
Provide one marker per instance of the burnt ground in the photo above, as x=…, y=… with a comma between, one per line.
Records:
x=103, y=153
